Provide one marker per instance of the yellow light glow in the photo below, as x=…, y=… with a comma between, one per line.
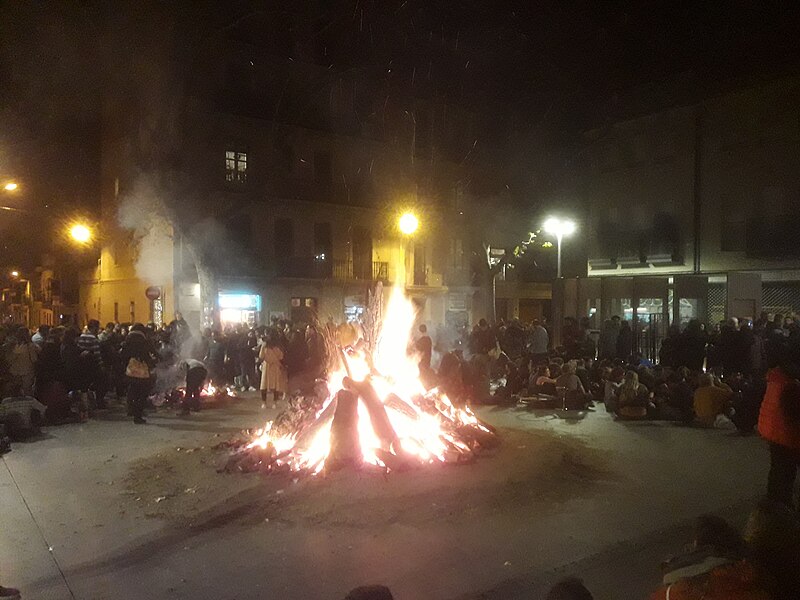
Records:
x=15, y=273
x=80, y=233
x=10, y=186
x=408, y=223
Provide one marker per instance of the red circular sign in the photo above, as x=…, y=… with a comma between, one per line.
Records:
x=153, y=292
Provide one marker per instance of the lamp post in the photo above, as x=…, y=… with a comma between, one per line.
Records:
x=559, y=228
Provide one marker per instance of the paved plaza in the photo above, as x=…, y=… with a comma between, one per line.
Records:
x=69, y=530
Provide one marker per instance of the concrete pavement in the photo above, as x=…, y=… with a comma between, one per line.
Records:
x=63, y=496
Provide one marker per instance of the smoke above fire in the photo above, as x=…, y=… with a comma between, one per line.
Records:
x=146, y=229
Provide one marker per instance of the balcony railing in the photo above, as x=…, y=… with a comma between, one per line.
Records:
x=302, y=267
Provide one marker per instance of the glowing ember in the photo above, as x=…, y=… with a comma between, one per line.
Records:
x=397, y=422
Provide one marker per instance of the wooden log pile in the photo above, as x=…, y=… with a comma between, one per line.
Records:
x=304, y=420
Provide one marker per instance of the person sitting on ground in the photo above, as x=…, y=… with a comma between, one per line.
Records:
x=632, y=398
x=714, y=567
x=711, y=399
x=542, y=383
x=20, y=413
x=646, y=377
x=370, y=592
x=7, y=593
x=773, y=535
x=575, y=395
x=570, y=588
x=681, y=396
x=611, y=386
x=582, y=373
x=569, y=380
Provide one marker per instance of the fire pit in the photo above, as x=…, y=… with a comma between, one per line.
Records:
x=372, y=411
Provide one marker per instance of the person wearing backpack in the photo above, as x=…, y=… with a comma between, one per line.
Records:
x=779, y=424
x=139, y=365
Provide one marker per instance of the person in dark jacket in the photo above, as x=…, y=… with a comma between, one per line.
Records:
x=196, y=375
x=624, y=340
x=139, y=362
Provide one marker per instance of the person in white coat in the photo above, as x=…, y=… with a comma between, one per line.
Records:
x=273, y=371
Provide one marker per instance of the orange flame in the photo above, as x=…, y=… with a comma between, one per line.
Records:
x=424, y=434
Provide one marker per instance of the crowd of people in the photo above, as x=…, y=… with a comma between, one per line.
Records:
x=62, y=374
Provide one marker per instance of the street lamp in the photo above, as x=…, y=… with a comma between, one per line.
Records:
x=11, y=186
x=80, y=233
x=408, y=223
x=559, y=228
x=15, y=273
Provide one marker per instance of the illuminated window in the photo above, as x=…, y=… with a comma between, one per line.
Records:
x=235, y=166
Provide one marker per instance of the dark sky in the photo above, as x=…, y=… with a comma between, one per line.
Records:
x=550, y=63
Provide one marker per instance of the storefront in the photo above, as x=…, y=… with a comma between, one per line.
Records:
x=239, y=308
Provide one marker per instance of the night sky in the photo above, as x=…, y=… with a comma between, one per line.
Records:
x=541, y=69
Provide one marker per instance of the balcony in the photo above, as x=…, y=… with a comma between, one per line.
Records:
x=308, y=267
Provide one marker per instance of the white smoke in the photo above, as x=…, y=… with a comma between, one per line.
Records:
x=143, y=213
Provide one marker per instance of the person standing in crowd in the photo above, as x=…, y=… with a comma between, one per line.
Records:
x=180, y=332
x=316, y=351
x=92, y=362
x=215, y=358
x=139, y=364
x=22, y=357
x=50, y=378
x=608, y=338
x=540, y=341
x=779, y=424
x=692, y=346
x=274, y=379
x=624, y=341
x=41, y=334
x=424, y=347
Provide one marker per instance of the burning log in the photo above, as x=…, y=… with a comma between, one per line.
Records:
x=395, y=402
x=377, y=412
x=345, y=446
x=256, y=458
x=309, y=433
x=471, y=433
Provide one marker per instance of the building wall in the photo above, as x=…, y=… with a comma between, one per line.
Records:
x=750, y=168
x=738, y=153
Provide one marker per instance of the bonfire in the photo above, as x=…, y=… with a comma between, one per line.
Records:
x=371, y=411
x=209, y=393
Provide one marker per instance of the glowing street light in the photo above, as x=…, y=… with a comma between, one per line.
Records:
x=15, y=273
x=80, y=233
x=408, y=223
x=11, y=186
x=559, y=228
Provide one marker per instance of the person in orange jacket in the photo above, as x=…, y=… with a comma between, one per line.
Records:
x=779, y=424
x=713, y=567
